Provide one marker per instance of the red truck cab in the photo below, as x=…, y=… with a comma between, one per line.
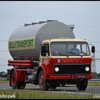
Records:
x=62, y=66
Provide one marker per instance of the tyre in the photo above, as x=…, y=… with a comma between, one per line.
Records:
x=42, y=82
x=13, y=80
x=81, y=85
x=15, y=84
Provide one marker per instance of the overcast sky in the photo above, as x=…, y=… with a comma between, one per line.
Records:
x=85, y=15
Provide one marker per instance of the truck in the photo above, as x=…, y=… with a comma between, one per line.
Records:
x=41, y=56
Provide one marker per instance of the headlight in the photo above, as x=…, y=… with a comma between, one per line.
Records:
x=56, y=69
x=87, y=68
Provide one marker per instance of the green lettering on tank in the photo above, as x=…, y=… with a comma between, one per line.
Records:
x=22, y=44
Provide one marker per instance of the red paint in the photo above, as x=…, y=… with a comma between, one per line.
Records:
x=13, y=80
x=90, y=76
x=49, y=70
x=47, y=66
x=20, y=75
x=21, y=63
x=45, y=61
x=53, y=77
x=73, y=60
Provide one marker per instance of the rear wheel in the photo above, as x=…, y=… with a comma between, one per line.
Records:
x=42, y=82
x=13, y=80
x=81, y=85
x=15, y=84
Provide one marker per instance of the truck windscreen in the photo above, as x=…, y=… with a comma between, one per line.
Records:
x=69, y=49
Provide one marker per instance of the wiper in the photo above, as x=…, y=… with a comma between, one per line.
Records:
x=74, y=54
x=71, y=52
x=67, y=55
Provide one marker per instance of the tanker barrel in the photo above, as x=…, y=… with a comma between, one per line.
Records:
x=25, y=42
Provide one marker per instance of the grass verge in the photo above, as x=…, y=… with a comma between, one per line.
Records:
x=93, y=83
x=34, y=94
x=4, y=81
x=89, y=83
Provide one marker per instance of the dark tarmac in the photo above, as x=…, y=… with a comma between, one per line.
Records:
x=70, y=89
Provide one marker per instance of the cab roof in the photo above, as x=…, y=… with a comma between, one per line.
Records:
x=64, y=40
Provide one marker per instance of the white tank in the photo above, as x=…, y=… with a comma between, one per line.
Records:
x=25, y=42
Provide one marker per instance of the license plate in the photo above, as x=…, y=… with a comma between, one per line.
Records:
x=81, y=76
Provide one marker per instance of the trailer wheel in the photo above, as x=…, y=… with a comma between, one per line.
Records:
x=13, y=80
x=42, y=82
x=81, y=85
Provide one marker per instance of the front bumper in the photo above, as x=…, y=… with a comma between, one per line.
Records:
x=66, y=77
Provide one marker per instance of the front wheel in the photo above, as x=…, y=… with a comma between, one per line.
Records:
x=42, y=81
x=81, y=85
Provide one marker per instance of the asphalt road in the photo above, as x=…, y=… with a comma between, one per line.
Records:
x=70, y=89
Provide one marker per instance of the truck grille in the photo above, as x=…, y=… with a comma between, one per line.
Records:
x=71, y=69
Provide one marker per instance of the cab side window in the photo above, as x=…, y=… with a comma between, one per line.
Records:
x=45, y=50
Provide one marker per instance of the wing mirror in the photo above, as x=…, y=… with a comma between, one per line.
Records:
x=93, y=49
